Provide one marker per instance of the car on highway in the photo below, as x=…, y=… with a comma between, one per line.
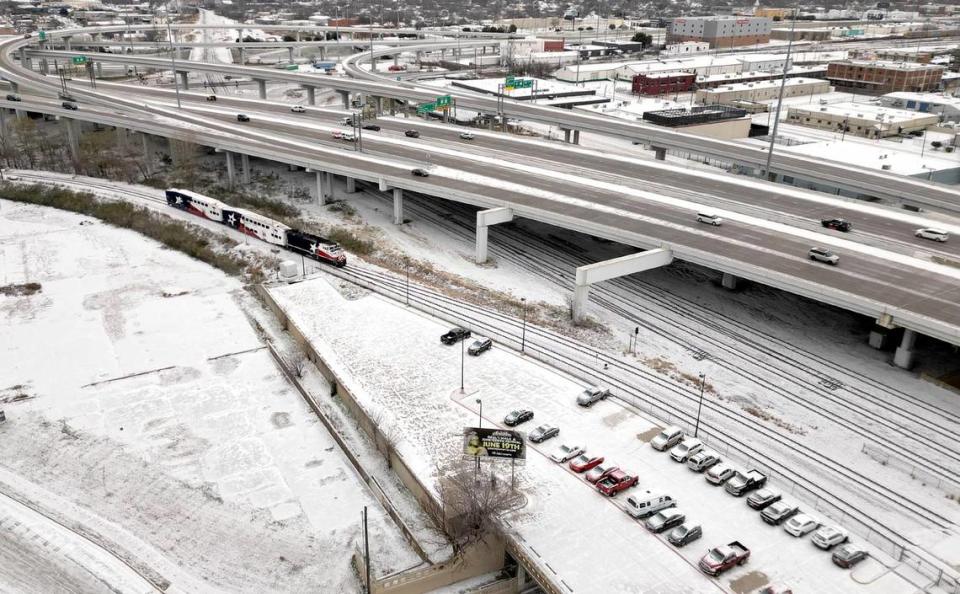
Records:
x=719, y=473
x=600, y=472
x=372, y=127
x=543, y=433
x=709, y=219
x=827, y=537
x=667, y=438
x=686, y=448
x=779, y=512
x=242, y=117
x=515, y=417
x=684, y=535
x=412, y=134
x=480, y=346
x=592, y=395
x=13, y=178
x=848, y=555
x=583, y=463
x=564, y=453
x=925, y=233
x=70, y=106
x=13, y=97
x=801, y=525
x=644, y=505
x=211, y=97
x=742, y=483
x=764, y=497
x=455, y=335
x=467, y=135
x=348, y=136
x=347, y=121
x=702, y=460
x=719, y=559
x=298, y=109
x=337, y=134
x=616, y=481
x=420, y=172
x=823, y=255
x=838, y=224
x=665, y=520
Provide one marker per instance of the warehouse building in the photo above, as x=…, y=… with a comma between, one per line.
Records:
x=720, y=31
x=861, y=119
x=945, y=106
x=884, y=77
x=761, y=91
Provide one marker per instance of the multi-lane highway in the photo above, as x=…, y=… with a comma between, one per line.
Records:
x=635, y=201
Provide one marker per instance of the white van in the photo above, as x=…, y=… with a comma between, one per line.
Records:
x=709, y=219
x=934, y=234
x=646, y=504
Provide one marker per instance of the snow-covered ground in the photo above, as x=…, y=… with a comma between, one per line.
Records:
x=145, y=412
x=395, y=363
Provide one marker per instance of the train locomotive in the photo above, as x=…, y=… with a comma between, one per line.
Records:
x=259, y=226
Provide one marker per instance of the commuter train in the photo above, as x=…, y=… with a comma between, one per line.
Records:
x=259, y=226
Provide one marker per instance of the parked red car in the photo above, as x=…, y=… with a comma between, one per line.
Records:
x=600, y=472
x=583, y=462
x=615, y=482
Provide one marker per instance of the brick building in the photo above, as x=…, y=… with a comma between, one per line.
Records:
x=663, y=83
x=720, y=31
x=884, y=77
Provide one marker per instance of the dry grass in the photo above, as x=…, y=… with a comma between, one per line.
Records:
x=21, y=290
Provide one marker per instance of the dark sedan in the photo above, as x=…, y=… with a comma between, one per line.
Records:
x=516, y=417
x=684, y=535
x=543, y=433
x=373, y=127
x=763, y=498
x=848, y=555
x=665, y=520
x=838, y=224
x=455, y=335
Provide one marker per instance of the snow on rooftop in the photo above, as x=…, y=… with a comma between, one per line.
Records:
x=866, y=111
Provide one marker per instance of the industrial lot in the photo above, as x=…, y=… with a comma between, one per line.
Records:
x=516, y=298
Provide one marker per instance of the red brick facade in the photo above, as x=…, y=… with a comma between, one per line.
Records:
x=644, y=84
x=721, y=42
x=885, y=78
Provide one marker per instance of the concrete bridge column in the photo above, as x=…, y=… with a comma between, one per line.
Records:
x=728, y=281
x=72, y=138
x=397, y=206
x=99, y=69
x=485, y=218
x=146, y=153
x=43, y=66
x=659, y=153
x=245, y=163
x=329, y=185
x=243, y=56
x=351, y=185
x=298, y=35
x=311, y=95
x=183, y=79
x=345, y=96
x=66, y=42
x=576, y=137
x=290, y=53
x=903, y=356
x=323, y=52
x=261, y=87
x=880, y=331
x=321, y=200
x=566, y=134
x=617, y=267
x=230, y=172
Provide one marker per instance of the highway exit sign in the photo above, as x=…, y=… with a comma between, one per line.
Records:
x=425, y=107
x=443, y=101
x=79, y=59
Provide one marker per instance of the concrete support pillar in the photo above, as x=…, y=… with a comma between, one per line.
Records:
x=323, y=52
x=351, y=185
x=43, y=66
x=146, y=153
x=245, y=165
x=243, y=56
x=328, y=183
x=617, y=267
x=443, y=54
x=397, y=206
x=659, y=153
x=66, y=42
x=576, y=137
x=290, y=54
x=396, y=59
x=321, y=195
x=566, y=134
x=446, y=116
x=121, y=134
x=311, y=96
x=72, y=138
x=99, y=68
x=903, y=356
x=262, y=87
x=393, y=106
x=230, y=172
x=485, y=218
x=728, y=281
x=298, y=35
x=345, y=97
x=184, y=84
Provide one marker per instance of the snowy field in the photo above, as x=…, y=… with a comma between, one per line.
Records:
x=396, y=364
x=145, y=413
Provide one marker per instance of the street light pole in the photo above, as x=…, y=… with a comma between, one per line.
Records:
x=783, y=86
x=462, y=354
x=173, y=63
x=480, y=414
x=703, y=378
x=523, y=334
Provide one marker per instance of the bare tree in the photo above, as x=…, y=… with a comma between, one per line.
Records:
x=470, y=501
x=297, y=361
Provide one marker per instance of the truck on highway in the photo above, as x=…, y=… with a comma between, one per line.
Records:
x=719, y=559
x=742, y=483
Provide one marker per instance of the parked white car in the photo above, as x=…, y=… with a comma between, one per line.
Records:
x=828, y=537
x=801, y=525
x=933, y=234
x=565, y=453
x=702, y=460
x=667, y=438
x=686, y=448
x=720, y=473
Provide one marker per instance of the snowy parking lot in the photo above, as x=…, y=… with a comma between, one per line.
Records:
x=397, y=365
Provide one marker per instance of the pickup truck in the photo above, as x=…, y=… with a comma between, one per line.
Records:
x=743, y=483
x=615, y=482
x=720, y=559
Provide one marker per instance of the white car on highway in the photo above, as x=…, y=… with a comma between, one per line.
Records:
x=801, y=525
x=298, y=109
x=934, y=234
x=828, y=537
x=824, y=255
x=709, y=219
x=685, y=449
x=565, y=453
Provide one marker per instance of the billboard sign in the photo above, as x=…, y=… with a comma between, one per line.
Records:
x=493, y=443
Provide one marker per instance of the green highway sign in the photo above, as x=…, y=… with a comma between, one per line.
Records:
x=425, y=107
x=79, y=59
x=43, y=35
x=444, y=101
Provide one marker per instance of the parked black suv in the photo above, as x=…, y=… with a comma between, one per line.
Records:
x=455, y=335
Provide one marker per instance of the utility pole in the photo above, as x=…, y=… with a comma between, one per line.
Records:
x=366, y=550
x=703, y=378
x=173, y=63
x=783, y=86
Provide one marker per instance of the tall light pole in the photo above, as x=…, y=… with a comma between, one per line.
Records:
x=523, y=333
x=463, y=349
x=173, y=63
x=703, y=379
x=783, y=86
x=480, y=414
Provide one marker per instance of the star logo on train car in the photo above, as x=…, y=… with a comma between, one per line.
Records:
x=232, y=219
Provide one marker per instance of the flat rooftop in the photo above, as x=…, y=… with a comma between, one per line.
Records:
x=864, y=111
x=765, y=84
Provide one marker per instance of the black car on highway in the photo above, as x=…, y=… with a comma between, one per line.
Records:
x=373, y=127
x=243, y=117
x=516, y=417
x=838, y=224
x=455, y=335
x=412, y=134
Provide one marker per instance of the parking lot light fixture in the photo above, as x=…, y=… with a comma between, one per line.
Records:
x=703, y=379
